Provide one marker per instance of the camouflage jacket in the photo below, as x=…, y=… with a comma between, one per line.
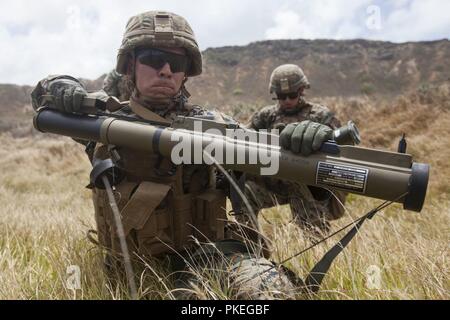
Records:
x=273, y=117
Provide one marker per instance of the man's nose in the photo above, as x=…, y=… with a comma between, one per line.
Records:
x=165, y=71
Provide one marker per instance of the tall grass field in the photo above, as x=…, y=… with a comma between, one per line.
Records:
x=45, y=212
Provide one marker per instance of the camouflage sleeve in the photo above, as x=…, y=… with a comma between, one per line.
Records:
x=325, y=116
x=41, y=94
x=111, y=83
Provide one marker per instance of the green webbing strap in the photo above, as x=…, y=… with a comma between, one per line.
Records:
x=316, y=275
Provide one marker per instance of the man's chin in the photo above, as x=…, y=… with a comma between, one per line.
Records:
x=161, y=94
x=287, y=108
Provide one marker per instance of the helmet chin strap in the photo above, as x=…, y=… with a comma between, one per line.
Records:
x=185, y=91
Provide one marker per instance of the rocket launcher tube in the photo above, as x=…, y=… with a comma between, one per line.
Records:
x=378, y=174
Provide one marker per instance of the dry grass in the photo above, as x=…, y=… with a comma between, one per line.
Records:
x=45, y=212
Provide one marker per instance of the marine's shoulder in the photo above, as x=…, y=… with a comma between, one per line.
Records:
x=323, y=114
x=114, y=85
x=266, y=112
x=262, y=118
x=113, y=74
x=317, y=107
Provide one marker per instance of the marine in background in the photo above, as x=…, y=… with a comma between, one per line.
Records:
x=312, y=207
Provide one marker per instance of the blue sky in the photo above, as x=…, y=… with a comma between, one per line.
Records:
x=81, y=37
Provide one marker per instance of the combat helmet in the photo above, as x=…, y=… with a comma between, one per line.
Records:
x=287, y=78
x=159, y=29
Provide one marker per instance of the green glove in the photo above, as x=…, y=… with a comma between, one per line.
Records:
x=305, y=137
x=68, y=95
x=60, y=92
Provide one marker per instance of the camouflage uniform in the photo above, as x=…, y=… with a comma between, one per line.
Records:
x=171, y=211
x=311, y=207
x=115, y=84
x=273, y=117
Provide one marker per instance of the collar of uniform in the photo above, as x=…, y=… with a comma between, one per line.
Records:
x=145, y=113
x=289, y=112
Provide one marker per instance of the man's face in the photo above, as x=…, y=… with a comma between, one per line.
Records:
x=160, y=82
x=289, y=100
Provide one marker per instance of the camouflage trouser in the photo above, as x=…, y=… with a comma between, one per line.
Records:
x=227, y=269
x=311, y=207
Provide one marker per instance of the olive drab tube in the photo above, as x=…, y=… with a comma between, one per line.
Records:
x=368, y=172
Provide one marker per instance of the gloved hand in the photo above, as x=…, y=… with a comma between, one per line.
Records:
x=305, y=137
x=63, y=93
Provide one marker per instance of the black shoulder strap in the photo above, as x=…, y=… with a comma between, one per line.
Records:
x=316, y=275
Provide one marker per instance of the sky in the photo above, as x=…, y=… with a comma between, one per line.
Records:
x=81, y=37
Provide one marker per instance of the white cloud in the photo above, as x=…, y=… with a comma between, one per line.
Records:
x=400, y=20
x=82, y=37
x=318, y=19
x=286, y=22
x=419, y=20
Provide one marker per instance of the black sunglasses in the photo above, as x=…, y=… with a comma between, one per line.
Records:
x=156, y=59
x=284, y=96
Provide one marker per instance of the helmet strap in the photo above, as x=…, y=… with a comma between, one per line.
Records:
x=182, y=97
x=185, y=91
x=131, y=75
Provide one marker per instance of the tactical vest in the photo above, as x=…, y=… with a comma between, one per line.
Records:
x=163, y=207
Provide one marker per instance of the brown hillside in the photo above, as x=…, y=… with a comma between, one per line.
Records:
x=236, y=75
x=235, y=79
